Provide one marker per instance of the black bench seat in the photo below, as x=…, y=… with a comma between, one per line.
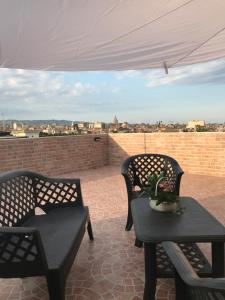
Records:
x=60, y=229
x=41, y=244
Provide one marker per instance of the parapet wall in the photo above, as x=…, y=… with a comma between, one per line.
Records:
x=197, y=153
x=53, y=155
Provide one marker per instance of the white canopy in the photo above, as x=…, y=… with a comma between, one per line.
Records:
x=86, y=35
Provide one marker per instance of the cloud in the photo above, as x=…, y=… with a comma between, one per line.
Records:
x=21, y=82
x=80, y=88
x=37, y=94
x=207, y=73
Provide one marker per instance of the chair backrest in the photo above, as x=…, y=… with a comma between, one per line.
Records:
x=52, y=191
x=22, y=191
x=142, y=165
x=17, y=200
x=188, y=285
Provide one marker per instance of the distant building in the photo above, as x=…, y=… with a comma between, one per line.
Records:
x=115, y=120
x=194, y=123
x=32, y=133
x=99, y=125
x=83, y=125
x=91, y=125
x=123, y=130
x=18, y=133
x=17, y=127
x=48, y=130
x=125, y=125
x=59, y=129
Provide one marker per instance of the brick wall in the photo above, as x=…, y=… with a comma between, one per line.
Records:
x=197, y=153
x=53, y=155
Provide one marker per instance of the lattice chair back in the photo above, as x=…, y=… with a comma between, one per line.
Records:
x=136, y=170
x=143, y=165
x=21, y=252
x=16, y=198
x=52, y=192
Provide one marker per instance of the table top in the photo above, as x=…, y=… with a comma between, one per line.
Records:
x=196, y=224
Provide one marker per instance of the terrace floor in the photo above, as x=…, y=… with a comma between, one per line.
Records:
x=111, y=267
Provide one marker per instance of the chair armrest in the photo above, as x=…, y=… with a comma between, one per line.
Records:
x=127, y=172
x=126, y=169
x=176, y=166
x=124, y=166
x=21, y=252
x=50, y=192
x=187, y=273
x=179, y=172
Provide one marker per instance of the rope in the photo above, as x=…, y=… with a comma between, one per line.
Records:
x=199, y=46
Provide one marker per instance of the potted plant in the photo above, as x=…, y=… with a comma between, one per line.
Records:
x=161, y=194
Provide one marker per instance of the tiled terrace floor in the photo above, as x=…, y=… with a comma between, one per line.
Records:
x=111, y=267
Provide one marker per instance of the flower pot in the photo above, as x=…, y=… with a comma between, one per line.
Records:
x=163, y=207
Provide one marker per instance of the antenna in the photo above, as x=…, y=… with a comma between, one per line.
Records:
x=3, y=121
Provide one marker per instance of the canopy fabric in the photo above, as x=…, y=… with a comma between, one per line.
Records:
x=91, y=35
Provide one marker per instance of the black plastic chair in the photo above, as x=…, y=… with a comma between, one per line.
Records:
x=188, y=285
x=136, y=168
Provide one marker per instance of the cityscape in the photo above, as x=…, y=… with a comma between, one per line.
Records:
x=45, y=128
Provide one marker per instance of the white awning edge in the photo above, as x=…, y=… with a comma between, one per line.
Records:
x=68, y=35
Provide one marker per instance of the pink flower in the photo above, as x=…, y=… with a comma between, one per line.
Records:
x=165, y=187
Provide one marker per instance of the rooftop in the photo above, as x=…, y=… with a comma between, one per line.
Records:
x=111, y=267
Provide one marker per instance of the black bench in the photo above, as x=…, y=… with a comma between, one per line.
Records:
x=33, y=244
x=188, y=284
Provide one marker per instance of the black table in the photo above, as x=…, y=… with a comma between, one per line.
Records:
x=196, y=224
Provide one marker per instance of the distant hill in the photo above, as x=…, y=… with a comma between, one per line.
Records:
x=41, y=122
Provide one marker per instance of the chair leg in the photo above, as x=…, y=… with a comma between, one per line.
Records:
x=56, y=286
x=180, y=287
x=138, y=243
x=129, y=219
x=90, y=232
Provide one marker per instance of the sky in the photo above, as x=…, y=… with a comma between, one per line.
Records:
x=186, y=93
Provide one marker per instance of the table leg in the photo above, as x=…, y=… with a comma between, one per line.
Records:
x=218, y=259
x=150, y=271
